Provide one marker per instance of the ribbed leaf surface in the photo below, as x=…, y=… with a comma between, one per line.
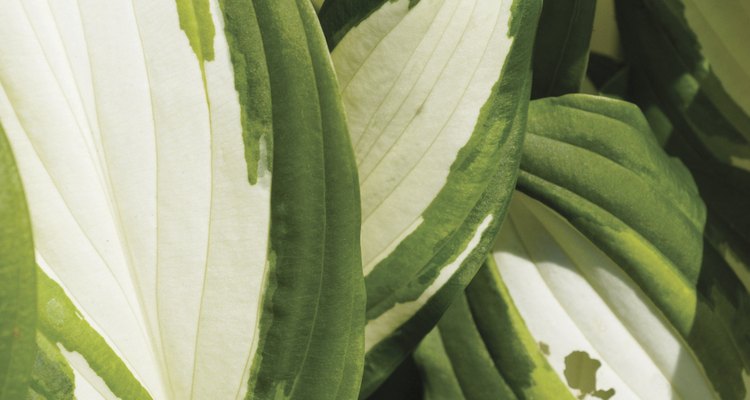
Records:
x=193, y=195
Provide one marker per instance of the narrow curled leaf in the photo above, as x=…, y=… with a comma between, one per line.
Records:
x=561, y=49
x=473, y=364
x=438, y=376
x=504, y=357
x=316, y=298
x=435, y=93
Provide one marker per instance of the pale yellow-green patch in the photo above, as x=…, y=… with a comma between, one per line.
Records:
x=672, y=285
x=196, y=22
x=55, y=313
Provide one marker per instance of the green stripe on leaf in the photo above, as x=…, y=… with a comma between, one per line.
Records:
x=63, y=326
x=17, y=281
x=195, y=20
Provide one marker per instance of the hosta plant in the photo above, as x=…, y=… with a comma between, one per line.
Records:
x=343, y=199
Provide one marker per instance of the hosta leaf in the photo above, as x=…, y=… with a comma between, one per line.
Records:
x=561, y=49
x=143, y=133
x=697, y=62
x=587, y=284
x=435, y=93
x=612, y=274
x=17, y=281
x=488, y=347
x=605, y=38
x=314, y=348
x=472, y=363
x=438, y=376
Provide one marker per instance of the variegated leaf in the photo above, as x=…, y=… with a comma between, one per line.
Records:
x=599, y=285
x=200, y=218
x=435, y=93
x=615, y=265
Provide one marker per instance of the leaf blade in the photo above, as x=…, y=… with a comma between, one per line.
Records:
x=645, y=232
x=429, y=159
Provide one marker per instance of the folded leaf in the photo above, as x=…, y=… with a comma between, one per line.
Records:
x=435, y=94
x=482, y=349
x=17, y=281
x=438, y=376
x=612, y=274
x=146, y=134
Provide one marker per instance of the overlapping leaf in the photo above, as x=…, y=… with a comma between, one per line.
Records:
x=561, y=48
x=644, y=213
x=604, y=278
x=435, y=94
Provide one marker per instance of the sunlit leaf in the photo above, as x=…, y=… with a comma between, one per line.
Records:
x=436, y=94
x=599, y=281
x=622, y=257
x=146, y=134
